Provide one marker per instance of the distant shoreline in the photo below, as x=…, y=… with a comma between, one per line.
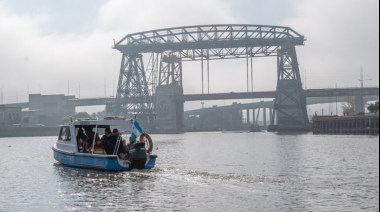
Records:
x=29, y=132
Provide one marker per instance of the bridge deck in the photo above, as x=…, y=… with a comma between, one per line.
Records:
x=310, y=93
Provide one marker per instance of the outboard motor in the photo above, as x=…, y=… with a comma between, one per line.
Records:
x=137, y=156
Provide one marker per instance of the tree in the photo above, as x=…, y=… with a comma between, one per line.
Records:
x=373, y=107
x=349, y=105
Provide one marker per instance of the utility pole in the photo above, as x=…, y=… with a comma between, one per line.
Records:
x=105, y=87
x=305, y=80
x=362, y=80
x=40, y=88
x=208, y=71
x=202, y=74
x=303, y=77
x=336, y=85
x=79, y=89
x=247, y=75
x=68, y=87
x=252, y=73
x=2, y=95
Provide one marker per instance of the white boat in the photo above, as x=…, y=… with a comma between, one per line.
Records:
x=66, y=149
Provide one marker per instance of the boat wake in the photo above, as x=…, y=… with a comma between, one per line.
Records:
x=192, y=175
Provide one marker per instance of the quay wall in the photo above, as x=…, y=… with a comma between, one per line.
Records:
x=29, y=132
x=346, y=125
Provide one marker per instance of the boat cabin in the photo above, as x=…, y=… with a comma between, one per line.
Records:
x=68, y=135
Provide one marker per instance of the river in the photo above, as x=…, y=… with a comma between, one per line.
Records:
x=202, y=172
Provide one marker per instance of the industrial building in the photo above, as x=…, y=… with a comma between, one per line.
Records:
x=47, y=110
x=9, y=116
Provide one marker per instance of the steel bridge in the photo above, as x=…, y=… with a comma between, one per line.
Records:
x=150, y=90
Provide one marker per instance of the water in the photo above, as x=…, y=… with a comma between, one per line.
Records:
x=202, y=172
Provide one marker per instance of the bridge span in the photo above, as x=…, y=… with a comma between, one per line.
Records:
x=264, y=106
x=310, y=93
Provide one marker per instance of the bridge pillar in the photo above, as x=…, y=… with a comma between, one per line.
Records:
x=359, y=104
x=290, y=102
x=265, y=116
x=271, y=117
x=254, y=117
x=248, y=117
x=170, y=113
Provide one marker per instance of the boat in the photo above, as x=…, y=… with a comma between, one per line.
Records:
x=66, y=149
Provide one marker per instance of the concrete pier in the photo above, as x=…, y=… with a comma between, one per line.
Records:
x=347, y=125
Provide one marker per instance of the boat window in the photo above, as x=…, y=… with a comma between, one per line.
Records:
x=64, y=135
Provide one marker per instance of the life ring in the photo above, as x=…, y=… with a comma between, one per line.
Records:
x=147, y=136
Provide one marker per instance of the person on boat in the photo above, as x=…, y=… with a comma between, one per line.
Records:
x=82, y=143
x=110, y=143
x=131, y=142
x=87, y=146
x=91, y=134
x=80, y=134
x=98, y=148
x=104, y=139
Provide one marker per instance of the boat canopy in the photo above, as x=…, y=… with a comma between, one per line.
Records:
x=127, y=123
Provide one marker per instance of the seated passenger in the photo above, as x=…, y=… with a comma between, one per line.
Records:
x=88, y=146
x=91, y=134
x=81, y=143
x=98, y=148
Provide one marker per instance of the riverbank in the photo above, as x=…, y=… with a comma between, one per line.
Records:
x=29, y=132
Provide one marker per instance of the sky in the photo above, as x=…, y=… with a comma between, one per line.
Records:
x=55, y=47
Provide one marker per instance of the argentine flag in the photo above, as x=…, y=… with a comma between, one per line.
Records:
x=136, y=131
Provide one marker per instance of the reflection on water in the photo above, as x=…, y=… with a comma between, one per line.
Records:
x=202, y=172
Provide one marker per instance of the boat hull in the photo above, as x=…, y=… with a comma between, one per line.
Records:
x=109, y=163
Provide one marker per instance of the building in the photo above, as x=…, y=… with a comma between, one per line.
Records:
x=48, y=110
x=10, y=115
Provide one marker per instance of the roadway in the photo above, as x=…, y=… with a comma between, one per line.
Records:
x=310, y=93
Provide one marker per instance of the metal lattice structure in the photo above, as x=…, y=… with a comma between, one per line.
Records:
x=223, y=41
x=170, y=69
x=290, y=102
x=133, y=95
x=177, y=45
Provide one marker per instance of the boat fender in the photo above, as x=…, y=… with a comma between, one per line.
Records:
x=147, y=136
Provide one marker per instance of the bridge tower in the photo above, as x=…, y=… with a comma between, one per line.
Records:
x=170, y=113
x=133, y=95
x=290, y=102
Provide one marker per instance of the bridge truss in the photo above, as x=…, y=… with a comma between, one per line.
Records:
x=170, y=47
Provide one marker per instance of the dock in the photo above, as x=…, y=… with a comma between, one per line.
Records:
x=346, y=125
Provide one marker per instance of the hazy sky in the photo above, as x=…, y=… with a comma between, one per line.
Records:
x=47, y=43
